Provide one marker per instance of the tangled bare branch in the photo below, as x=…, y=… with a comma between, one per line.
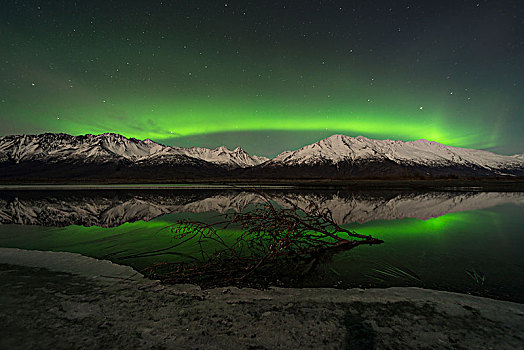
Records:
x=272, y=241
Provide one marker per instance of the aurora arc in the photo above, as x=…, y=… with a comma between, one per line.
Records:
x=203, y=74
x=163, y=121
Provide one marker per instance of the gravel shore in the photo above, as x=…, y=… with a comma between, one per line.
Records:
x=67, y=301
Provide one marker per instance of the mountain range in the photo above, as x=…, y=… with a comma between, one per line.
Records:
x=113, y=156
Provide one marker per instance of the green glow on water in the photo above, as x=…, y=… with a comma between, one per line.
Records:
x=440, y=250
x=441, y=225
x=132, y=238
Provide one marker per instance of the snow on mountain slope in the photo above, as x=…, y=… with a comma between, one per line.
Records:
x=335, y=150
x=338, y=148
x=89, y=148
x=113, y=147
x=238, y=158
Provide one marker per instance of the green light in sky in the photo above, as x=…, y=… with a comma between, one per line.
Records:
x=199, y=69
x=164, y=120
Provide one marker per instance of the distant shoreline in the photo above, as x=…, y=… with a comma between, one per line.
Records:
x=513, y=185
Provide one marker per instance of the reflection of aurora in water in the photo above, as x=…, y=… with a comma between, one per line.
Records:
x=442, y=225
x=142, y=236
x=439, y=249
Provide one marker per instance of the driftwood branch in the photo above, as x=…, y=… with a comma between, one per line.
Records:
x=271, y=240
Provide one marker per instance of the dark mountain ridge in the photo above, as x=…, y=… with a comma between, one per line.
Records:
x=113, y=157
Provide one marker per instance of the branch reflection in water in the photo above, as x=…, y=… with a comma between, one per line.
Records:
x=275, y=245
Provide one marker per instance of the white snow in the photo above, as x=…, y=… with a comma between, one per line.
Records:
x=111, y=147
x=238, y=158
x=339, y=148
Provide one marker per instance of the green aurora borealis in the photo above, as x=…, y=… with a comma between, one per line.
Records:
x=267, y=76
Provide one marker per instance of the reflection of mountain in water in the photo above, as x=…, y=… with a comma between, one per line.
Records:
x=113, y=208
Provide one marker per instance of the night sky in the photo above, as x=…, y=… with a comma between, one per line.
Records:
x=266, y=75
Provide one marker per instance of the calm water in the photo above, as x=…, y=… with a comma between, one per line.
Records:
x=431, y=239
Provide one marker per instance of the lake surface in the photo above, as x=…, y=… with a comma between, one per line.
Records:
x=466, y=241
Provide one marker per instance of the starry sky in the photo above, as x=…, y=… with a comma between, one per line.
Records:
x=266, y=75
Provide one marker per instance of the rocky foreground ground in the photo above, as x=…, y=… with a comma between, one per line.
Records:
x=67, y=301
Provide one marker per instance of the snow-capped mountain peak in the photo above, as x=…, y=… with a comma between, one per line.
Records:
x=110, y=147
x=340, y=148
x=238, y=158
x=337, y=156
